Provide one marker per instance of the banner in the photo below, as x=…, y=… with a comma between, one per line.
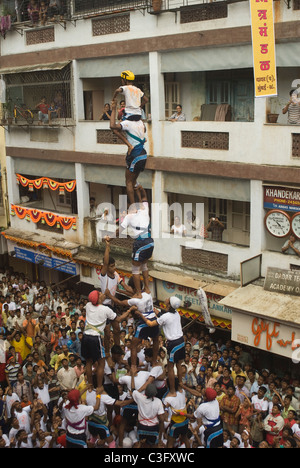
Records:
x=263, y=48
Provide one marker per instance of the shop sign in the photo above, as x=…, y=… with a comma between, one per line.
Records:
x=281, y=198
x=47, y=262
x=266, y=335
x=166, y=289
x=282, y=281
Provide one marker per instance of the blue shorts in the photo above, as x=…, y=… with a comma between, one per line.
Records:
x=136, y=162
x=150, y=433
x=176, y=350
x=142, y=249
x=144, y=332
x=177, y=429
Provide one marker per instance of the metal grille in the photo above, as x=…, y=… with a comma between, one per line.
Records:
x=173, y=5
x=203, y=259
x=40, y=36
x=205, y=140
x=88, y=7
x=204, y=12
x=29, y=87
x=296, y=145
x=296, y=5
x=107, y=137
x=111, y=25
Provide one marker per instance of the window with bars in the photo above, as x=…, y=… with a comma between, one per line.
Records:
x=172, y=97
x=27, y=88
x=217, y=208
x=241, y=215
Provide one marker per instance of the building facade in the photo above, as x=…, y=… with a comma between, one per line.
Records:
x=225, y=158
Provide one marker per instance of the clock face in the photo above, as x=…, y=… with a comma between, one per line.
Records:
x=296, y=224
x=278, y=223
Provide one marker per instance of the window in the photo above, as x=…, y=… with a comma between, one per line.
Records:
x=241, y=215
x=219, y=92
x=172, y=97
x=217, y=208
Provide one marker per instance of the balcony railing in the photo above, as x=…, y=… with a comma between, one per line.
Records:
x=15, y=12
x=94, y=7
x=158, y=6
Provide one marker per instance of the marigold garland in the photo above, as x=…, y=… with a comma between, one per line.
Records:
x=51, y=219
x=45, y=182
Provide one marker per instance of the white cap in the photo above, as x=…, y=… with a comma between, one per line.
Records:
x=175, y=302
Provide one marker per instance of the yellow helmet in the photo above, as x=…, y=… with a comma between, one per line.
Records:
x=127, y=75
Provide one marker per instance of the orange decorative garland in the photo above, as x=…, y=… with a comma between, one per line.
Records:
x=51, y=219
x=45, y=182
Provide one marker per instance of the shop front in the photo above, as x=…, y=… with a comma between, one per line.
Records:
x=267, y=320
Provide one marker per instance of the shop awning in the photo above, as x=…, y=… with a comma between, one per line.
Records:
x=33, y=68
x=32, y=240
x=207, y=284
x=255, y=300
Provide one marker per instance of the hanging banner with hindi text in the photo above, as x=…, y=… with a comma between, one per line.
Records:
x=263, y=47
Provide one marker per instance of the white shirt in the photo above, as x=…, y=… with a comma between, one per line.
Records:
x=24, y=418
x=135, y=128
x=140, y=219
x=149, y=409
x=75, y=416
x=133, y=96
x=259, y=404
x=171, y=323
x=209, y=412
x=178, y=230
x=144, y=304
x=104, y=400
x=139, y=380
x=43, y=394
x=106, y=282
x=177, y=402
x=97, y=316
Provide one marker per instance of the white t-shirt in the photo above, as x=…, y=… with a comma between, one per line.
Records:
x=75, y=416
x=96, y=315
x=24, y=418
x=149, y=409
x=133, y=96
x=208, y=412
x=135, y=128
x=177, y=402
x=106, y=282
x=178, y=230
x=144, y=304
x=171, y=323
x=43, y=394
x=139, y=380
x=140, y=219
x=156, y=372
x=104, y=400
x=260, y=404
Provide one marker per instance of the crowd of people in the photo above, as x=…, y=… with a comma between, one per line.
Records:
x=112, y=369
x=154, y=401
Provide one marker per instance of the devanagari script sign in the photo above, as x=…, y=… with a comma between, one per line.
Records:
x=263, y=47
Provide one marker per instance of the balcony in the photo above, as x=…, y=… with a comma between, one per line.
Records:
x=87, y=8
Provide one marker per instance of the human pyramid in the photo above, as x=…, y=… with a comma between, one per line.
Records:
x=142, y=403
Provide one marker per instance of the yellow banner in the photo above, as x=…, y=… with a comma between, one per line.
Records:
x=263, y=46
